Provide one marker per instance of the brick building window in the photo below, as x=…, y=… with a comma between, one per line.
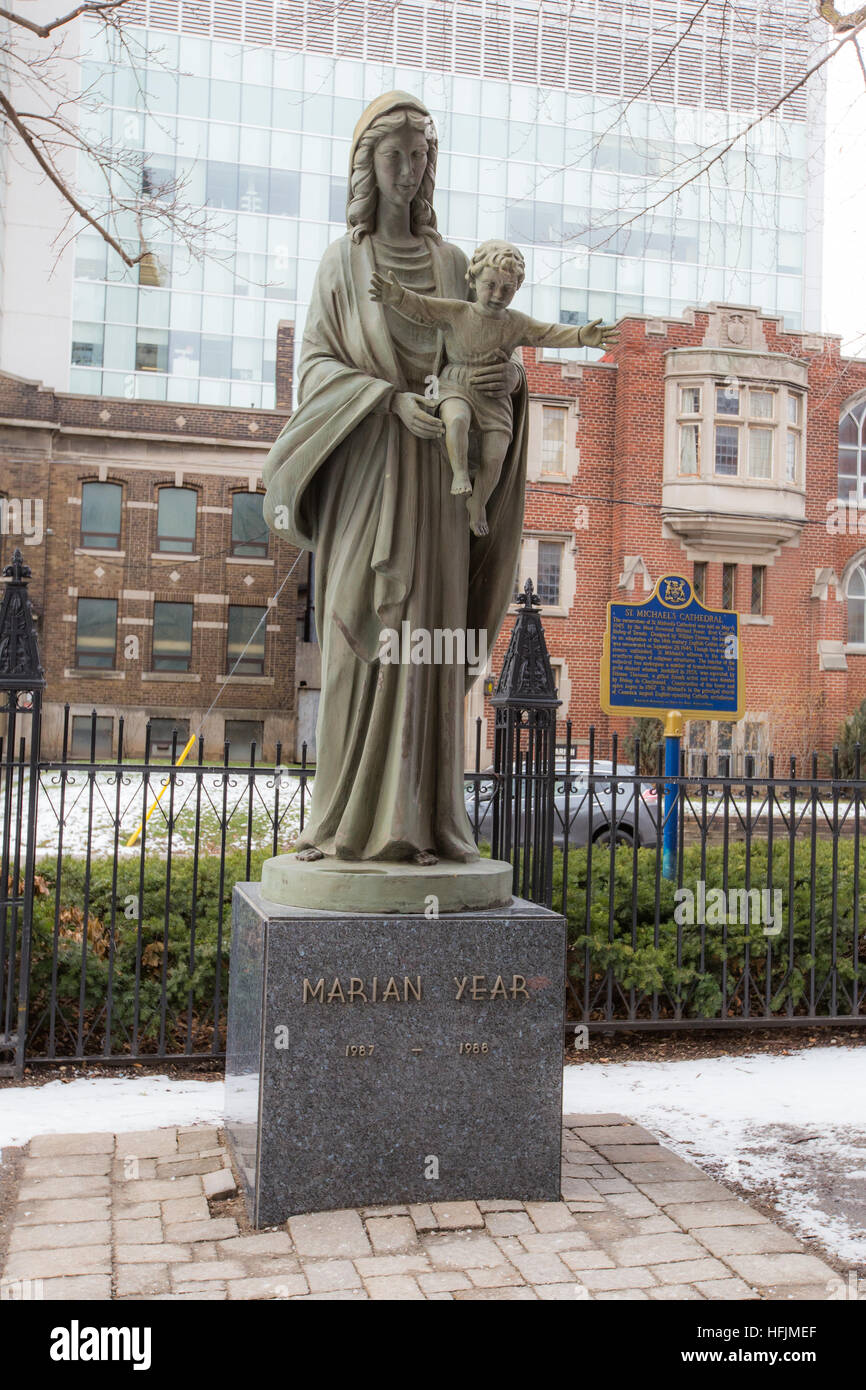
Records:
x=729, y=586
x=759, y=575
x=82, y=726
x=699, y=580
x=162, y=732
x=554, y=420
x=852, y=453
x=172, y=636
x=175, y=520
x=549, y=571
x=249, y=528
x=856, y=596
x=96, y=635
x=240, y=735
x=246, y=635
x=101, y=505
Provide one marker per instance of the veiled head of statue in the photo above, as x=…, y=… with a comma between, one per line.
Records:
x=393, y=157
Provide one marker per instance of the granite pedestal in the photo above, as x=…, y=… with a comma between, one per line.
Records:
x=384, y=1059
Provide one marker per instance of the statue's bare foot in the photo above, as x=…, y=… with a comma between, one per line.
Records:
x=461, y=485
x=425, y=858
x=478, y=522
x=310, y=854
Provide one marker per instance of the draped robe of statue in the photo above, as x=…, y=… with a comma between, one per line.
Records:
x=348, y=480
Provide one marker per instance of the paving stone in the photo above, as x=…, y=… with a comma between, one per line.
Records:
x=554, y=1241
x=57, y=1237
x=781, y=1269
x=179, y=1165
x=499, y=1277
x=71, y=1288
x=66, y=1166
x=609, y=1279
x=666, y=1193
x=807, y=1293
x=509, y=1223
x=51, y=1145
x=634, y=1153
x=46, y=1264
x=390, y=1234
x=394, y=1286
x=198, y=1139
x=184, y=1209
x=199, y=1292
x=220, y=1183
x=147, y=1143
x=628, y=1134
x=204, y=1250
x=577, y=1207
x=61, y=1213
x=572, y=1145
x=653, y=1225
x=620, y=1295
x=603, y=1227
x=510, y=1245
x=423, y=1218
x=162, y=1189
x=133, y=1169
x=334, y=1296
x=380, y=1266
x=592, y=1121
x=439, y=1297
x=515, y=1295
x=607, y=1186
x=442, y=1281
x=219, y=1228
x=503, y=1205
x=265, y=1243
x=458, y=1216
x=689, y=1271
x=690, y=1215
x=641, y=1250
x=144, y=1232
x=473, y=1251
x=272, y=1286
x=58, y=1189
x=726, y=1288
x=561, y=1293
x=152, y=1254
x=331, y=1274
x=136, y=1211
x=384, y=1211
x=747, y=1240
x=586, y=1259
x=588, y=1172
x=676, y=1293
x=544, y=1268
x=551, y=1216
x=142, y=1279
x=202, y=1271
x=670, y=1170
x=337, y=1233
x=632, y=1204
x=577, y=1189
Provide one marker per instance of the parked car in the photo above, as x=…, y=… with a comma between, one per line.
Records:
x=572, y=803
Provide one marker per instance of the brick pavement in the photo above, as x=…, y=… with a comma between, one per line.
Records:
x=157, y=1215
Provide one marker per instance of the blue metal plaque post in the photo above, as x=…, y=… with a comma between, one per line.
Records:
x=673, y=736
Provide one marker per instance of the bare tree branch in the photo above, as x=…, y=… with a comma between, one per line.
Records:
x=43, y=31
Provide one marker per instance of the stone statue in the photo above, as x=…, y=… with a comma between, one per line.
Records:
x=360, y=475
x=478, y=333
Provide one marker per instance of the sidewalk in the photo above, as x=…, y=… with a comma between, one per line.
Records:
x=157, y=1215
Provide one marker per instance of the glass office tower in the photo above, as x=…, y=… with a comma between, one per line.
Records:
x=561, y=127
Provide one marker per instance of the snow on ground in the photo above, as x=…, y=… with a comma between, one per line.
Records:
x=790, y=1129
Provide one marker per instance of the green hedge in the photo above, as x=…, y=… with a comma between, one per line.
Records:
x=637, y=962
x=185, y=978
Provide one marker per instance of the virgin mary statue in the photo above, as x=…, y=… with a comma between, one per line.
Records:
x=360, y=476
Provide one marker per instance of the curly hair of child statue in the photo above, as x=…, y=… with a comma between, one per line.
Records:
x=496, y=255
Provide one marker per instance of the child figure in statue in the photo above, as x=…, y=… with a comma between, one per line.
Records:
x=478, y=333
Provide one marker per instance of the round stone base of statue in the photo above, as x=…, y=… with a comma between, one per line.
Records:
x=374, y=885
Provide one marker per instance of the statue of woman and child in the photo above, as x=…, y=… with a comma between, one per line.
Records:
x=409, y=352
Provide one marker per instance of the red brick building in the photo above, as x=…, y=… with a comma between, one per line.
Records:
x=717, y=446
x=153, y=570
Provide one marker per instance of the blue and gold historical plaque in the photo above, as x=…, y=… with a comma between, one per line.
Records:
x=670, y=652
